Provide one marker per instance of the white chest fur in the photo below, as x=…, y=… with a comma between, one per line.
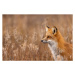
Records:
x=54, y=49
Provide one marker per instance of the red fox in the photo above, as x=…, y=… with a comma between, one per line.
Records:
x=60, y=49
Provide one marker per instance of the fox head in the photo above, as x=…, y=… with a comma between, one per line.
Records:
x=52, y=36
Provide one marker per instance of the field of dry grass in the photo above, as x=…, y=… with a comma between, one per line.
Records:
x=22, y=34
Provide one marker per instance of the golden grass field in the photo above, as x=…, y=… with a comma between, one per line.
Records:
x=22, y=34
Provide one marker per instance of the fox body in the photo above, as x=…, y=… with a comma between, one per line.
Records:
x=60, y=49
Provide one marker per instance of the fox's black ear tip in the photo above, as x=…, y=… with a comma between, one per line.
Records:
x=55, y=27
x=47, y=26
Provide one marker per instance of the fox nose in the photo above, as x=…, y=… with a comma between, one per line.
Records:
x=41, y=40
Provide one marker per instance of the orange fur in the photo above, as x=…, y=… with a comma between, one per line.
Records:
x=64, y=48
x=67, y=52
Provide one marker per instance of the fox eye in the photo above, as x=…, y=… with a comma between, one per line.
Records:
x=48, y=36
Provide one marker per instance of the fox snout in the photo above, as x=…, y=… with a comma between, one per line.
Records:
x=44, y=41
x=41, y=40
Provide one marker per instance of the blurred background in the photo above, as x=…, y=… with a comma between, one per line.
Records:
x=22, y=34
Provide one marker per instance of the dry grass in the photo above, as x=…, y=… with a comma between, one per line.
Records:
x=22, y=35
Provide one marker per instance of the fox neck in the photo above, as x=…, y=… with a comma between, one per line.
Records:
x=60, y=40
x=54, y=49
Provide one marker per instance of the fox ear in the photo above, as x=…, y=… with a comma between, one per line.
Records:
x=47, y=28
x=54, y=30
